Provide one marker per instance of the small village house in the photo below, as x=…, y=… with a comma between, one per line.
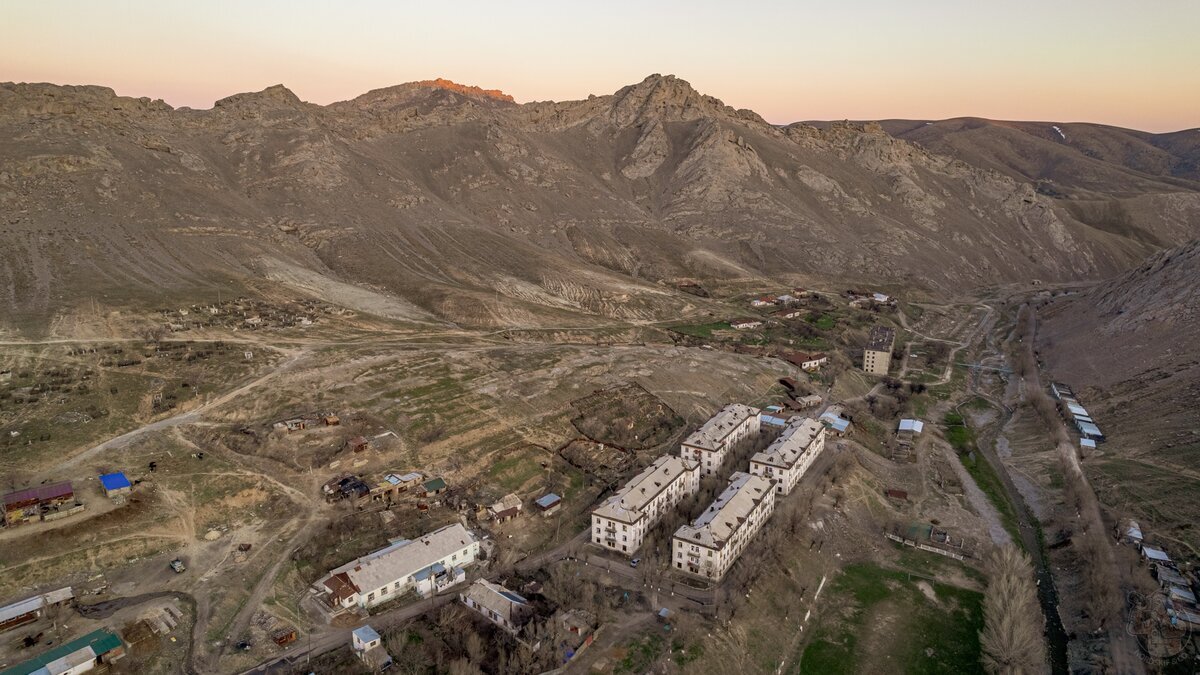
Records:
x=789, y=313
x=433, y=487
x=835, y=423
x=806, y=361
x=745, y=324
x=368, y=647
x=764, y=301
x=508, y=508
x=115, y=485
x=497, y=604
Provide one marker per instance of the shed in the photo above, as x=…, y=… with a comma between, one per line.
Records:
x=1133, y=533
x=1090, y=430
x=1155, y=554
x=1181, y=593
x=548, y=503
x=1087, y=444
x=364, y=638
x=915, y=426
x=115, y=484
x=25, y=505
x=898, y=495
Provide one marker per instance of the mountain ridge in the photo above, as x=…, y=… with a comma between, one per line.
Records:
x=485, y=211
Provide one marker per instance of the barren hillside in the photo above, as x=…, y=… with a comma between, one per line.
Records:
x=1131, y=349
x=468, y=207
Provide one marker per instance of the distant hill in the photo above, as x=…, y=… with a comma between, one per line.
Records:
x=1108, y=177
x=471, y=208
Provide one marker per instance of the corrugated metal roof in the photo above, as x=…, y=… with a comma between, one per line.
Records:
x=114, y=481
x=1155, y=554
x=548, y=500
x=915, y=426
x=40, y=493
x=100, y=641
x=35, y=603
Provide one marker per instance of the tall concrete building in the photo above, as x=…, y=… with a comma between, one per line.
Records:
x=877, y=356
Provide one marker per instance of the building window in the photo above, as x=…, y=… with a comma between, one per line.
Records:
x=370, y=597
x=384, y=591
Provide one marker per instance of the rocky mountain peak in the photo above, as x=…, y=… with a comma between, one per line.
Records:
x=663, y=97
x=275, y=96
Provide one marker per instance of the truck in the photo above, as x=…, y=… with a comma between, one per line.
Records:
x=178, y=566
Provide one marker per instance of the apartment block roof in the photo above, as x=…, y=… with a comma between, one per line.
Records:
x=713, y=433
x=627, y=504
x=797, y=437
x=728, y=513
x=881, y=339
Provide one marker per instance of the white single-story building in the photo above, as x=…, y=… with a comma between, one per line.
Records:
x=428, y=564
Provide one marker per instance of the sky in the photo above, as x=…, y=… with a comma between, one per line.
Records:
x=1122, y=63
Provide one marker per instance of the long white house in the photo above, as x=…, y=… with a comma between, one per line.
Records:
x=622, y=521
x=709, y=444
x=791, y=454
x=709, y=546
x=427, y=565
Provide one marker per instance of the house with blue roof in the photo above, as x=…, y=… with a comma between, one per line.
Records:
x=115, y=484
x=368, y=647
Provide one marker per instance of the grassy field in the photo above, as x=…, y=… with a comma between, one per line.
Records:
x=886, y=621
x=982, y=472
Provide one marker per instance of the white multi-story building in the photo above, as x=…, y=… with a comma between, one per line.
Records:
x=709, y=444
x=427, y=565
x=791, y=454
x=622, y=521
x=709, y=546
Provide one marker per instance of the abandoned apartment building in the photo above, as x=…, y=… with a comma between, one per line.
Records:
x=712, y=543
x=622, y=521
x=426, y=565
x=790, y=455
x=709, y=444
x=877, y=355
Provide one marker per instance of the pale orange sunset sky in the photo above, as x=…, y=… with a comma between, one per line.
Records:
x=1129, y=64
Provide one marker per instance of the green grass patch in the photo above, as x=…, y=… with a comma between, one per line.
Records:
x=823, y=322
x=920, y=634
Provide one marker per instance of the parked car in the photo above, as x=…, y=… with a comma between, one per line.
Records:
x=634, y=562
x=178, y=566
